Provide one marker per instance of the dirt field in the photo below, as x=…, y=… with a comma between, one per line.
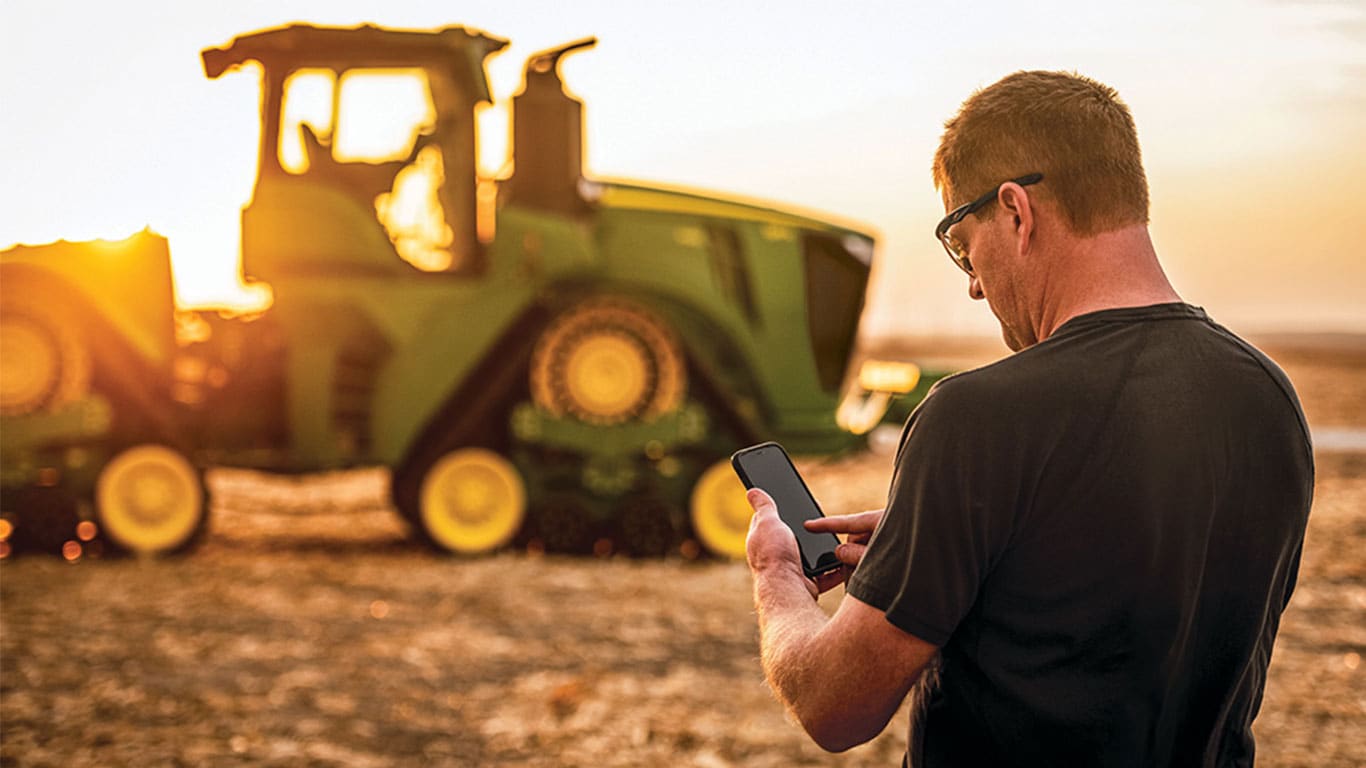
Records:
x=322, y=637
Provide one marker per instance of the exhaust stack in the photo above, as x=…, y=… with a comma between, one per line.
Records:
x=547, y=136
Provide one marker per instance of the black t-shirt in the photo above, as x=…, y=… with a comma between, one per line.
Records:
x=1101, y=531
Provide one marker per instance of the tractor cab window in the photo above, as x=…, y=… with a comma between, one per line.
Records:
x=375, y=116
x=381, y=113
x=306, y=118
x=373, y=133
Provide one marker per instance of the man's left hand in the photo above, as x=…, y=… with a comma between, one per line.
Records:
x=772, y=545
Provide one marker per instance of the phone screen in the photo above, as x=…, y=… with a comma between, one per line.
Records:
x=766, y=466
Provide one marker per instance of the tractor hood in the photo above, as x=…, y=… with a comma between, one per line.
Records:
x=823, y=277
x=632, y=196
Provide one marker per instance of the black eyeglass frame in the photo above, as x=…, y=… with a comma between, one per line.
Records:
x=963, y=211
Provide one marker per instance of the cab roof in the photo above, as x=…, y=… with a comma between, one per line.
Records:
x=299, y=46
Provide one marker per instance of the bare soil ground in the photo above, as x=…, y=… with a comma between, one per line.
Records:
x=317, y=635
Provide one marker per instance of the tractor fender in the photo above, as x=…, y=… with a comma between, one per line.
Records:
x=717, y=369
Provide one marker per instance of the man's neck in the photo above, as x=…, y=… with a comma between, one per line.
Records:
x=1110, y=270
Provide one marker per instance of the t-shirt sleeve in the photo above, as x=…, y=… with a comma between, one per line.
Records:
x=948, y=518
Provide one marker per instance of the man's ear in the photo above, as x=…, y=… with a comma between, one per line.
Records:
x=1015, y=202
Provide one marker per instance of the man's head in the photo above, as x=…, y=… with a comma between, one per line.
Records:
x=1073, y=130
x=1058, y=155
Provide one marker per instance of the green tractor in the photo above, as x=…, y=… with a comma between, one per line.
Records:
x=543, y=358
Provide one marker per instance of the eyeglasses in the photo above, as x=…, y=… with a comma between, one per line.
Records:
x=956, y=250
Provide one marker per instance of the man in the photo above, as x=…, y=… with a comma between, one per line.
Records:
x=1092, y=539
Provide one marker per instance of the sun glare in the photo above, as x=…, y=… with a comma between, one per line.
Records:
x=204, y=263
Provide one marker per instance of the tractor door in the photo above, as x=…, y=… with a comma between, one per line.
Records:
x=371, y=135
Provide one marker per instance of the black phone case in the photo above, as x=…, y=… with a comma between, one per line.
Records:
x=744, y=478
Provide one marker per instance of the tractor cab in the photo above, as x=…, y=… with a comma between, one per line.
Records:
x=367, y=161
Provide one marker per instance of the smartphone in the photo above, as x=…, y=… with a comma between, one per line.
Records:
x=767, y=467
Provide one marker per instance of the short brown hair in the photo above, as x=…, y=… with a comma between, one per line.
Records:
x=1074, y=130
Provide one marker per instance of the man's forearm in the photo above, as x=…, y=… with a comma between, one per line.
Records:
x=789, y=620
x=843, y=676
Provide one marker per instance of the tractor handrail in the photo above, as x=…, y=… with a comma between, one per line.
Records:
x=545, y=61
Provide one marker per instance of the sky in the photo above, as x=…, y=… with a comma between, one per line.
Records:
x=1252, y=118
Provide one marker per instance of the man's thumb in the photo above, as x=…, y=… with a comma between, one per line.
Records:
x=760, y=501
x=850, y=553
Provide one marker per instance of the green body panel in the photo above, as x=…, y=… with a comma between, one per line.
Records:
x=72, y=423
x=293, y=225
x=32, y=442
x=459, y=327
x=667, y=256
x=434, y=328
x=685, y=426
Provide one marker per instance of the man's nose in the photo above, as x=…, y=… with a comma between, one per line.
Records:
x=975, y=288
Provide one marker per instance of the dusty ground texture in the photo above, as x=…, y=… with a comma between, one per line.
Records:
x=322, y=637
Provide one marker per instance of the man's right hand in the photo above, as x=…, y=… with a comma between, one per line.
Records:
x=858, y=527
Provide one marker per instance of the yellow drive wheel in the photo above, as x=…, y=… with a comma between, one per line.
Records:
x=472, y=501
x=46, y=366
x=149, y=499
x=719, y=511
x=607, y=361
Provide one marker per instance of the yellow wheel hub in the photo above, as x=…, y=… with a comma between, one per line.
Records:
x=472, y=501
x=149, y=499
x=720, y=513
x=31, y=365
x=608, y=361
x=607, y=374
